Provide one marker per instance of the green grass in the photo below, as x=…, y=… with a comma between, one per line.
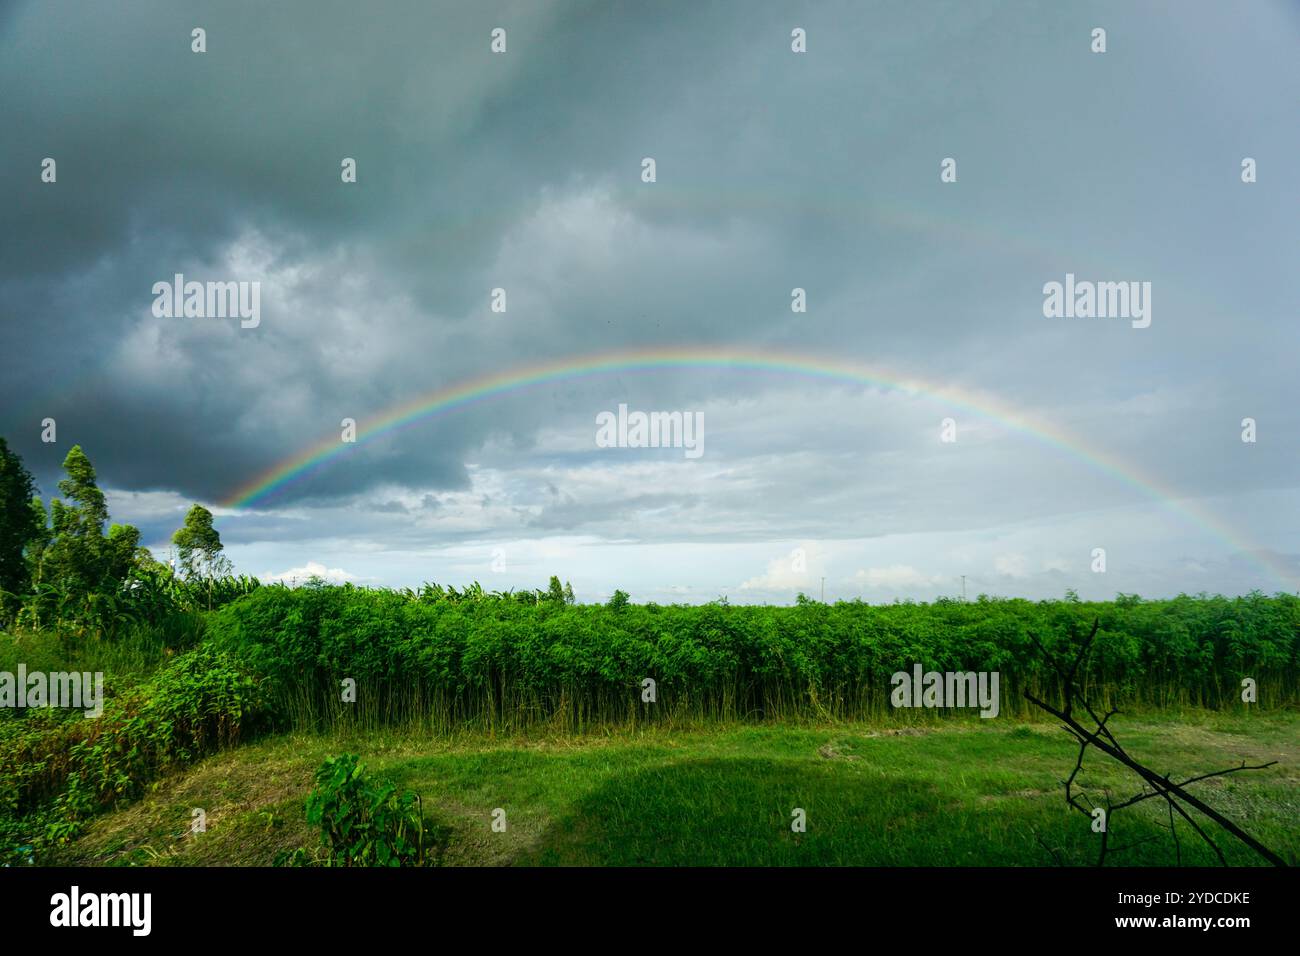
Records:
x=125, y=660
x=945, y=792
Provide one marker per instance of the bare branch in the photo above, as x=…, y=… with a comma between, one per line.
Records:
x=1154, y=785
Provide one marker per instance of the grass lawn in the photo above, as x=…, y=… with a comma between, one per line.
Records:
x=948, y=792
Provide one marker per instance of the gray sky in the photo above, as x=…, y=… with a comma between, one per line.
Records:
x=775, y=170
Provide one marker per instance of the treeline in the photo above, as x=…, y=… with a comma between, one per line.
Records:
x=66, y=567
x=351, y=654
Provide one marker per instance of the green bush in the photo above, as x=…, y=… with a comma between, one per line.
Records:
x=363, y=821
x=58, y=769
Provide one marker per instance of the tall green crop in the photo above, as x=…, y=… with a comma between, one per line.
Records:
x=495, y=661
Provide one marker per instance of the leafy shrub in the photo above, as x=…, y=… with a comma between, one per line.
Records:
x=364, y=821
x=58, y=769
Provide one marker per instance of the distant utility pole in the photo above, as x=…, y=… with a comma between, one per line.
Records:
x=823, y=590
x=963, y=589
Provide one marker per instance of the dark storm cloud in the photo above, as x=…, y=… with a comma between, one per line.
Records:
x=168, y=160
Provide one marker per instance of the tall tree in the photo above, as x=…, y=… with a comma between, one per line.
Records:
x=556, y=591
x=78, y=558
x=199, y=545
x=18, y=521
x=122, y=551
x=74, y=559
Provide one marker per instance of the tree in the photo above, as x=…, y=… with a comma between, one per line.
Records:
x=18, y=520
x=75, y=560
x=73, y=554
x=199, y=545
x=556, y=591
x=122, y=551
x=41, y=537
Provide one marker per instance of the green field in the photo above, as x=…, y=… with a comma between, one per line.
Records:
x=946, y=793
x=536, y=707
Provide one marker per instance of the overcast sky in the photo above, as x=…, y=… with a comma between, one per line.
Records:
x=774, y=170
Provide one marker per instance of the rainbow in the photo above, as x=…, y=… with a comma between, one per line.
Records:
x=453, y=398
